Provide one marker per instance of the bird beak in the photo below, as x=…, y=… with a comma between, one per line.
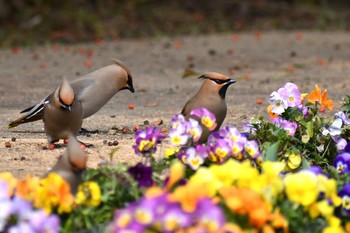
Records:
x=67, y=107
x=131, y=88
x=231, y=81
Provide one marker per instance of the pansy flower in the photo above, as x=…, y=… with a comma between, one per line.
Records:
x=342, y=162
x=220, y=150
x=142, y=174
x=321, y=98
x=252, y=148
x=195, y=156
x=344, y=117
x=291, y=94
x=146, y=140
x=89, y=194
x=278, y=103
x=344, y=193
x=205, y=117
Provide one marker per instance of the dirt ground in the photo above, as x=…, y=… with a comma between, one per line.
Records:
x=260, y=64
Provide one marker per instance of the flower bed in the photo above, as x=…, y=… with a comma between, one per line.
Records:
x=288, y=173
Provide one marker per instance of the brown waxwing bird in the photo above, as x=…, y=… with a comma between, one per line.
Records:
x=211, y=96
x=93, y=91
x=63, y=113
x=71, y=164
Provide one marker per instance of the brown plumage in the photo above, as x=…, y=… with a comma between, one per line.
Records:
x=93, y=91
x=71, y=164
x=63, y=114
x=211, y=96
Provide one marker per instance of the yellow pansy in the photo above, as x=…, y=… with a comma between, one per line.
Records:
x=293, y=161
x=302, y=187
x=89, y=194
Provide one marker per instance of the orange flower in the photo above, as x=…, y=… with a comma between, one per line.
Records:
x=317, y=96
x=271, y=114
x=27, y=188
x=247, y=202
x=188, y=195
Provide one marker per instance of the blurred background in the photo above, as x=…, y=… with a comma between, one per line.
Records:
x=33, y=22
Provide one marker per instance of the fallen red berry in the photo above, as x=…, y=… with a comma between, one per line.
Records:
x=131, y=106
x=136, y=127
x=83, y=146
x=65, y=141
x=7, y=144
x=259, y=101
x=322, y=109
x=15, y=50
x=51, y=147
x=87, y=63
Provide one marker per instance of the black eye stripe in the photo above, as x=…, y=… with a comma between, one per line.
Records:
x=218, y=81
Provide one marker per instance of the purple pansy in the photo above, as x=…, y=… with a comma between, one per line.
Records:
x=142, y=174
x=343, y=117
x=252, y=148
x=27, y=219
x=146, y=140
x=209, y=215
x=206, y=118
x=304, y=110
x=289, y=126
x=344, y=193
x=342, y=162
x=220, y=150
x=195, y=156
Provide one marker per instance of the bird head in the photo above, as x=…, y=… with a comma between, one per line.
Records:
x=125, y=82
x=216, y=82
x=76, y=156
x=66, y=95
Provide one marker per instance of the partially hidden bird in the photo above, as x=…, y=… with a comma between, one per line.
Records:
x=62, y=114
x=211, y=96
x=71, y=164
x=93, y=91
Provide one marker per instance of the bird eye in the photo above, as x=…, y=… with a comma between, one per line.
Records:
x=218, y=81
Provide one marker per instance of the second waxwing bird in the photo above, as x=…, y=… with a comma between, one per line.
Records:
x=71, y=164
x=93, y=91
x=211, y=96
x=63, y=113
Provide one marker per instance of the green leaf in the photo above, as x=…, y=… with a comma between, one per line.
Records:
x=304, y=163
x=271, y=152
x=310, y=129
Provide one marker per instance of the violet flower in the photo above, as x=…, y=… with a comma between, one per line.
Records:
x=342, y=162
x=344, y=193
x=344, y=117
x=220, y=150
x=195, y=156
x=146, y=140
x=289, y=126
x=291, y=94
x=205, y=117
x=142, y=174
x=252, y=148
x=209, y=215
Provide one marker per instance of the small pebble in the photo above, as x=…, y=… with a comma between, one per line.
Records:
x=7, y=144
x=113, y=143
x=13, y=139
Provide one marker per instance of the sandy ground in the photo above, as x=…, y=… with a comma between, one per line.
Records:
x=260, y=67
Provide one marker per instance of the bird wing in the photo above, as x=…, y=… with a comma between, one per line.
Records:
x=33, y=113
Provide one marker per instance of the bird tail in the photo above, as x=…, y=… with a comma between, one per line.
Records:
x=33, y=113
